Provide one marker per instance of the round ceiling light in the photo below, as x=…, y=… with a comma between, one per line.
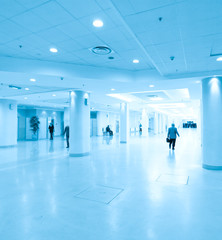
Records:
x=98, y=23
x=53, y=50
x=101, y=50
x=32, y=80
x=219, y=59
x=136, y=61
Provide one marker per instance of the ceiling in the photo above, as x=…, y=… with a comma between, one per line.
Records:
x=176, y=42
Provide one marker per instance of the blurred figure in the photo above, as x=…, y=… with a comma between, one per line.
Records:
x=51, y=130
x=66, y=132
x=140, y=129
x=172, y=135
x=108, y=130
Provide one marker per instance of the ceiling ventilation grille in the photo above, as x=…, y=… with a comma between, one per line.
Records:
x=101, y=50
x=152, y=96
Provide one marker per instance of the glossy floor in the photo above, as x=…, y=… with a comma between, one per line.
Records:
x=140, y=190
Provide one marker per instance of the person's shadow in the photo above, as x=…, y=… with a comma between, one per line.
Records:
x=51, y=147
x=108, y=139
x=171, y=158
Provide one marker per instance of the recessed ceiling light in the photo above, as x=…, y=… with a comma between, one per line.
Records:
x=27, y=89
x=155, y=98
x=25, y=98
x=197, y=81
x=219, y=59
x=136, y=61
x=32, y=80
x=112, y=89
x=97, y=23
x=53, y=95
x=151, y=85
x=54, y=50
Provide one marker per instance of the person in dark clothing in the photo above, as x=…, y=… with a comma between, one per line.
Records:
x=66, y=132
x=51, y=130
x=108, y=130
x=140, y=129
x=172, y=135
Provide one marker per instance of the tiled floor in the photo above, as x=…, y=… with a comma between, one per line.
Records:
x=40, y=185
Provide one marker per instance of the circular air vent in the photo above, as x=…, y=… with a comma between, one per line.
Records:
x=101, y=50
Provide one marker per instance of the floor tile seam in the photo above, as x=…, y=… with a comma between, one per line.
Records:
x=115, y=196
x=33, y=162
x=91, y=200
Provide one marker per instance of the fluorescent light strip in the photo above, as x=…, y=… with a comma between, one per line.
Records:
x=121, y=97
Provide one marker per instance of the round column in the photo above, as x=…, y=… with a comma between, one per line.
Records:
x=79, y=124
x=8, y=123
x=124, y=122
x=212, y=123
x=145, y=122
x=156, y=122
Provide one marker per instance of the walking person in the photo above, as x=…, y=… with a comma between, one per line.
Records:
x=51, y=130
x=66, y=132
x=172, y=135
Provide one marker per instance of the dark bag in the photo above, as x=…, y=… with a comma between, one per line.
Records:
x=167, y=140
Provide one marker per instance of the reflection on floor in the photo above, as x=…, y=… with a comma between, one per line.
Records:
x=121, y=191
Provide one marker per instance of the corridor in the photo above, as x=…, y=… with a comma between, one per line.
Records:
x=45, y=194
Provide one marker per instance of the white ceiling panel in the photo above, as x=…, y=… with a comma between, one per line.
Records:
x=89, y=41
x=31, y=4
x=116, y=64
x=145, y=38
x=69, y=46
x=74, y=29
x=124, y=6
x=104, y=4
x=12, y=29
x=20, y=46
x=111, y=35
x=119, y=47
x=201, y=28
x=81, y=8
x=53, y=13
x=64, y=58
x=160, y=36
x=116, y=18
x=36, y=41
x=170, y=49
x=146, y=21
x=53, y=35
x=29, y=20
x=10, y=8
x=147, y=5
x=198, y=10
x=4, y=38
x=6, y=51
x=2, y=18
x=89, y=56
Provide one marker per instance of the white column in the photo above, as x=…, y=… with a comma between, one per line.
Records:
x=145, y=122
x=155, y=123
x=66, y=117
x=124, y=119
x=211, y=123
x=79, y=124
x=8, y=123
